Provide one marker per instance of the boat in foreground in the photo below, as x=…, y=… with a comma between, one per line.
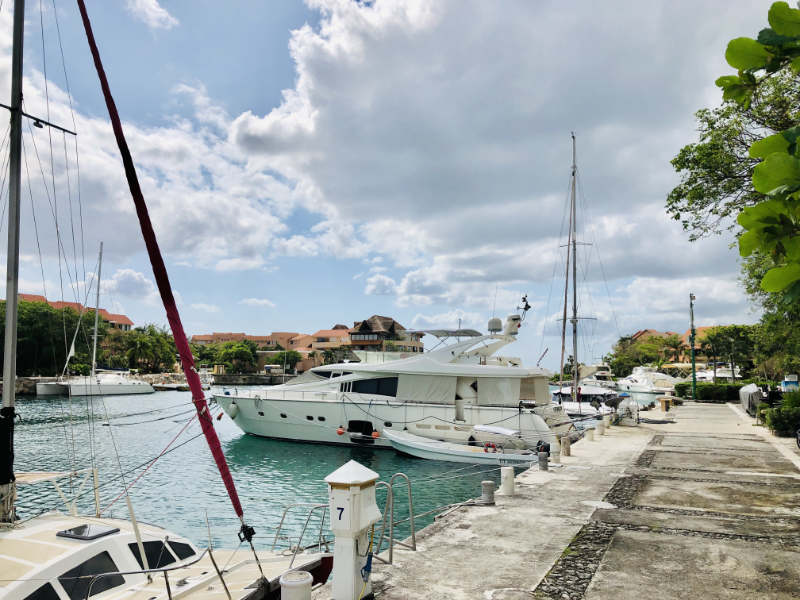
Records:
x=56, y=556
x=488, y=454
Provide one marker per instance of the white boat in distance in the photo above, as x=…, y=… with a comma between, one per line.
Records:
x=647, y=379
x=102, y=384
x=440, y=394
x=491, y=454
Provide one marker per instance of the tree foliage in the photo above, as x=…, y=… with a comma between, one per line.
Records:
x=716, y=171
x=44, y=335
x=771, y=225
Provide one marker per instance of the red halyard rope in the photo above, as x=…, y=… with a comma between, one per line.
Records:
x=161, y=277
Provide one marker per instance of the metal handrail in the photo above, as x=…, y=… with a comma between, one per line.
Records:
x=163, y=570
x=314, y=506
x=324, y=508
x=389, y=510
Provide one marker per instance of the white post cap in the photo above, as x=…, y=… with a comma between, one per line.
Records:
x=351, y=473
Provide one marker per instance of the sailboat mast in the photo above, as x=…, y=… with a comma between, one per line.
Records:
x=574, y=319
x=97, y=311
x=7, y=485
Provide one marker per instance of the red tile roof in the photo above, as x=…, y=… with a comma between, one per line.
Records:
x=77, y=307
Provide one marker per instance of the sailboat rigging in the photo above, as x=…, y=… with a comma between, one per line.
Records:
x=572, y=266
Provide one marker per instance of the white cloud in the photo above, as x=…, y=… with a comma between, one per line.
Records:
x=262, y=302
x=380, y=285
x=449, y=320
x=151, y=13
x=130, y=284
x=424, y=140
x=209, y=308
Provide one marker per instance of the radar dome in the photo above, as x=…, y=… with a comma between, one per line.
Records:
x=495, y=325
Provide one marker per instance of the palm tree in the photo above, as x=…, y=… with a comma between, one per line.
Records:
x=674, y=344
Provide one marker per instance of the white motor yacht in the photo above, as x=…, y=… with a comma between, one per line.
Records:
x=647, y=379
x=601, y=376
x=582, y=405
x=440, y=394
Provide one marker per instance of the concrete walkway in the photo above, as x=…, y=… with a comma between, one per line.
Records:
x=703, y=506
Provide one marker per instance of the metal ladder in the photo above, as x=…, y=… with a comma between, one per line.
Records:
x=389, y=510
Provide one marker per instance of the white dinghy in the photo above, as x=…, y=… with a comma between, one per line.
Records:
x=488, y=454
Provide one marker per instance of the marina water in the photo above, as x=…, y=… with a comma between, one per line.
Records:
x=183, y=486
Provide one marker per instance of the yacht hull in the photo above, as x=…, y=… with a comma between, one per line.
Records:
x=332, y=420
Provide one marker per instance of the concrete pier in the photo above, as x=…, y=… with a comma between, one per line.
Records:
x=704, y=504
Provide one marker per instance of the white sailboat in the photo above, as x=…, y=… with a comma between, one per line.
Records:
x=59, y=556
x=98, y=383
x=577, y=398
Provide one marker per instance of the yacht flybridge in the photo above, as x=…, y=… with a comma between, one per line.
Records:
x=440, y=395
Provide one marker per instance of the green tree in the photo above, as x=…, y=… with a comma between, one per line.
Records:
x=289, y=358
x=673, y=346
x=237, y=356
x=772, y=225
x=716, y=171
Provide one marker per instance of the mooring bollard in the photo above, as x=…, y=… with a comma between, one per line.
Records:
x=589, y=434
x=566, y=445
x=296, y=585
x=601, y=428
x=543, y=456
x=487, y=493
x=555, y=453
x=607, y=421
x=507, y=481
x=353, y=510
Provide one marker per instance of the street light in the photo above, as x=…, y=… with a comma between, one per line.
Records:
x=691, y=341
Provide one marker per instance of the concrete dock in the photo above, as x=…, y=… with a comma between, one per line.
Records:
x=704, y=505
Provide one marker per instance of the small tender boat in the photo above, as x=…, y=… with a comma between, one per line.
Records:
x=490, y=453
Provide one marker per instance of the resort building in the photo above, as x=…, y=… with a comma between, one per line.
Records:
x=384, y=333
x=331, y=338
x=115, y=321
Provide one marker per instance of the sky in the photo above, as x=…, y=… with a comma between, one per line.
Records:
x=313, y=163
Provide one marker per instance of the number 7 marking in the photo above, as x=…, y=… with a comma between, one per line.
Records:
x=341, y=512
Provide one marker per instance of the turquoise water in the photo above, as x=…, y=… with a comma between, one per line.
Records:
x=183, y=486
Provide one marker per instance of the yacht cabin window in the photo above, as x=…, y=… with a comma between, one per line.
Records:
x=181, y=550
x=156, y=552
x=76, y=581
x=45, y=592
x=382, y=386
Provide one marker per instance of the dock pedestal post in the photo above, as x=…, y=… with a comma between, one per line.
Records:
x=353, y=510
x=543, y=464
x=601, y=428
x=566, y=446
x=507, y=481
x=589, y=434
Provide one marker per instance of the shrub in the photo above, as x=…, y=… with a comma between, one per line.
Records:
x=783, y=421
x=791, y=400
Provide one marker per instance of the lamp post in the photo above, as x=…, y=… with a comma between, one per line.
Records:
x=691, y=341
